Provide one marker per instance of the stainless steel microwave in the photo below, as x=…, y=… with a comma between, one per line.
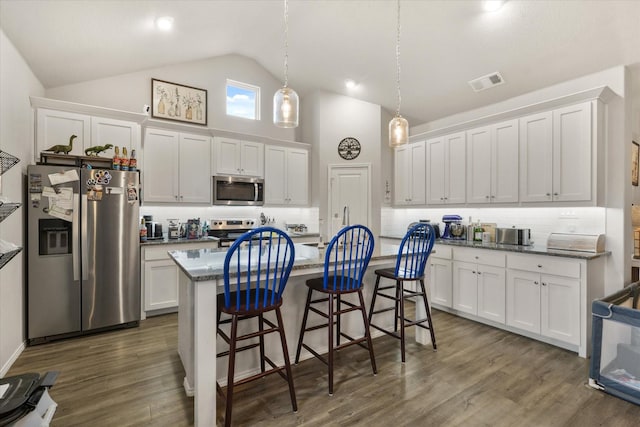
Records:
x=238, y=191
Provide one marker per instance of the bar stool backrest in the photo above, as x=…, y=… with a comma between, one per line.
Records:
x=414, y=251
x=347, y=257
x=259, y=260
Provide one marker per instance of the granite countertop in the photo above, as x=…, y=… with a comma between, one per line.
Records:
x=533, y=249
x=167, y=241
x=207, y=264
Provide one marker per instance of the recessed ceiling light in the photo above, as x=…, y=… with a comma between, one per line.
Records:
x=350, y=84
x=492, y=5
x=164, y=23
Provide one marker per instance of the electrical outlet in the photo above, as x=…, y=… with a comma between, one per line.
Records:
x=568, y=215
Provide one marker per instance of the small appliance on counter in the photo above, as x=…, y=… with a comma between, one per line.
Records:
x=154, y=229
x=436, y=227
x=174, y=229
x=593, y=243
x=453, y=228
x=514, y=236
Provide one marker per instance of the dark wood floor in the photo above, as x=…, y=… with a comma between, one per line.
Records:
x=480, y=376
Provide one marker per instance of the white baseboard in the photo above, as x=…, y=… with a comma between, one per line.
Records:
x=12, y=359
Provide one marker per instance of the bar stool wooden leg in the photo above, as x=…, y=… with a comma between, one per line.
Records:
x=230, y=371
x=338, y=321
x=426, y=307
x=287, y=363
x=373, y=299
x=330, y=358
x=367, y=333
x=395, y=312
x=400, y=287
x=304, y=325
x=261, y=328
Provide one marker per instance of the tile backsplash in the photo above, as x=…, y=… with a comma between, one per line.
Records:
x=541, y=221
x=279, y=216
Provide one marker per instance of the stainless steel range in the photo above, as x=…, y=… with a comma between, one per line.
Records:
x=228, y=230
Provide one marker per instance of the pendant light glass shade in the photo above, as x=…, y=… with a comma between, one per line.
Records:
x=285, y=108
x=398, y=131
x=285, y=100
x=398, y=126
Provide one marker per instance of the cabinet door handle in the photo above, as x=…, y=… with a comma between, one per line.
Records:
x=535, y=283
x=486, y=197
x=479, y=272
x=181, y=197
x=539, y=265
x=544, y=284
x=176, y=197
x=548, y=194
x=476, y=257
x=441, y=198
x=555, y=194
x=493, y=197
x=473, y=272
x=446, y=198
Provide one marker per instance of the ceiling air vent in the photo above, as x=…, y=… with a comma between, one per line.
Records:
x=485, y=82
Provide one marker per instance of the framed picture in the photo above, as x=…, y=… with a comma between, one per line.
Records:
x=635, y=151
x=178, y=102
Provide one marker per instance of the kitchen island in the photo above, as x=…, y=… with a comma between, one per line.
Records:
x=201, y=279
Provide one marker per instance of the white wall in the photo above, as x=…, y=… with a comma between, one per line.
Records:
x=617, y=214
x=130, y=92
x=17, y=82
x=333, y=118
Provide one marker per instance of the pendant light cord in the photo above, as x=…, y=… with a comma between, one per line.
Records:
x=286, y=42
x=397, y=58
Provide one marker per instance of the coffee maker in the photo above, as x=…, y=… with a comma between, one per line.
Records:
x=154, y=229
x=453, y=228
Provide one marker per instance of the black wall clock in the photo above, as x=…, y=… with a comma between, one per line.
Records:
x=349, y=148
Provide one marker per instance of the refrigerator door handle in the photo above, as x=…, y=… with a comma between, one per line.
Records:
x=75, y=229
x=83, y=231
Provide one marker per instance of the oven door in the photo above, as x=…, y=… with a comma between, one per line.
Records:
x=238, y=191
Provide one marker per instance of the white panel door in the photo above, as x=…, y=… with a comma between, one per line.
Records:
x=523, y=300
x=417, y=173
x=479, y=161
x=504, y=166
x=560, y=308
x=402, y=190
x=297, y=177
x=226, y=156
x=536, y=158
x=465, y=287
x=491, y=293
x=195, y=169
x=572, y=150
x=56, y=128
x=252, y=159
x=440, y=280
x=349, y=197
x=118, y=133
x=455, y=176
x=275, y=175
x=160, y=175
x=436, y=169
x=160, y=284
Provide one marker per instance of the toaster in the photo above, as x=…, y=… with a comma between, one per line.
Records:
x=513, y=236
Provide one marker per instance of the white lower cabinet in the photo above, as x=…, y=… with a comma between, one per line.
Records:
x=440, y=282
x=541, y=296
x=479, y=283
x=160, y=277
x=544, y=304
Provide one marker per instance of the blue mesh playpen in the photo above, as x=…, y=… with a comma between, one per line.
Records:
x=615, y=359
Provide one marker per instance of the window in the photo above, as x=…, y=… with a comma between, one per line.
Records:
x=243, y=100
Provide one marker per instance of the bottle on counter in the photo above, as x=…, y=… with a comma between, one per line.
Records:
x=124, y=160
x=477, y=232
x=470, y=230
x=133, y=162
x=143, y=231
x=115, y=165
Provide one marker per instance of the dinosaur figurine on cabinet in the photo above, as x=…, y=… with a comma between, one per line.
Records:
x=94, y=151
x=63, y=148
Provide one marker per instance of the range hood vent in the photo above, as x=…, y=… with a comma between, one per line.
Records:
x=486, y=82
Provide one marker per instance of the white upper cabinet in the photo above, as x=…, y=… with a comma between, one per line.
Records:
x=446, y=169
x=492, y=163
x=55, y=127
x=556, y=155
x=286, y=176
x=410, y=174
x=236, y=157
x=177, y=167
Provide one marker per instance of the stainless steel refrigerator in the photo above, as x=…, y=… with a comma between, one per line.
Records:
x=83, y=252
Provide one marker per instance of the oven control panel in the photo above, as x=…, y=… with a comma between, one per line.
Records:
x=231, y=224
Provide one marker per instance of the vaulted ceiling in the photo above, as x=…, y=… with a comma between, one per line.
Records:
x=444, y=44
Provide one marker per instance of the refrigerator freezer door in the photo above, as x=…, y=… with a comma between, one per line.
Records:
x=53, y=296
x=110, y=248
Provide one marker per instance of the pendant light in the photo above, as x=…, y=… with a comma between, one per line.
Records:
x=285, y=101
x=398, y=126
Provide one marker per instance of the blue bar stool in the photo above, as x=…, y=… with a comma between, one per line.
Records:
x=256, y=270
x=410, y=264
x=345, y=263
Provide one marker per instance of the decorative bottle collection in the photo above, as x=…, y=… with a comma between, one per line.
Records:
x=116, y=159
x=124, y=162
